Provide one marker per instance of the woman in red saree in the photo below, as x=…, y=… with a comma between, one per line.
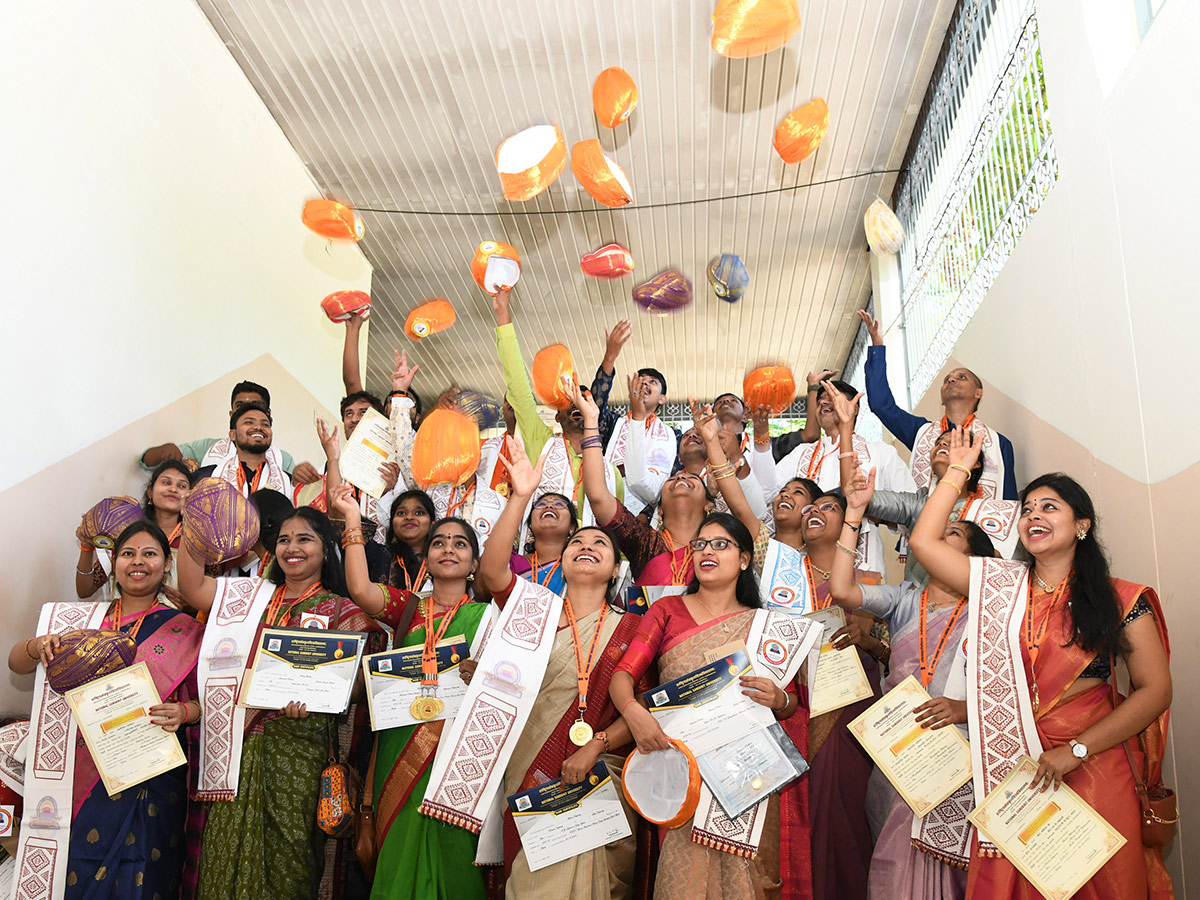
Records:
x=1076, y=621
x=591, y=639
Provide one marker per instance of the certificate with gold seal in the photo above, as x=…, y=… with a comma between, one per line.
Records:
x=308, y=665
x=1053, y=837
x=924, y=765
x=369, y=447
x=394, y=681
x=113, y=713
x=839, y=678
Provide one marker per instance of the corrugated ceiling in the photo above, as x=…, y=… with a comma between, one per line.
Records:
x=401, y=105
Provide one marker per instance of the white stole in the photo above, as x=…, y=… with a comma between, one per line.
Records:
x=784, y=582
x=998, y=519
x=224, y=456
x=777, y=644
x=991, y=482
x=50, y=769
x=14, y=744
x=999, y=708
x=228, y=642
x=654, y=441
x=468, y=769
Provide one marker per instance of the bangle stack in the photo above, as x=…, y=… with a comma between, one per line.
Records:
x=352, y=536
x=852, y=553
x=762, y=441
x=847, y=454
x=591, y=442
x=957, y=489
x=724, y=470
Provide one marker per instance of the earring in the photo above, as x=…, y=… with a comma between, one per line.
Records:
x=1080, y=534
x=743, y=568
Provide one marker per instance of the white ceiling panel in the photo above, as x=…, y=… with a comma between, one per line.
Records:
x=397, y=108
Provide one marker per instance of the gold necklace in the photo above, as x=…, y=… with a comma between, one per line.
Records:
x=1046, y=588
x=824, y=575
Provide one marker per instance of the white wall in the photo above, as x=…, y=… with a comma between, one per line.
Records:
x=151, y=238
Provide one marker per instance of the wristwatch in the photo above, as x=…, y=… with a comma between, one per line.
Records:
x=1079, y=750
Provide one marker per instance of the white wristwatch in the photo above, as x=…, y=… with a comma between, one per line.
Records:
x=1079, y=750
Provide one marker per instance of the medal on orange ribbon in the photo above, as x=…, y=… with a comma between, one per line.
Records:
x=429, y=706
x=581, y=731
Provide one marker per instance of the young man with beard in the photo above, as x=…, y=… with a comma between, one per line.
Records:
x=243, y=392
x=246, y=458
x=562, y=467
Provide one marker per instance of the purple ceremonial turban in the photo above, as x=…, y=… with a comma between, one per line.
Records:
x=104, y=522
x=86, y=655
x=219, y=524
x=667, y=292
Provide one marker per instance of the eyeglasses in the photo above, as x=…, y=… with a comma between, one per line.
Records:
x=550, y=503
x=826, y=507
x=716, y=543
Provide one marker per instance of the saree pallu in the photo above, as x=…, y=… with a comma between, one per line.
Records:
x=899, y=869
x=265, y=842
x=605, y=872
x=1105, y=781
x=691, y=871
x=131, y=845
x=420, y=857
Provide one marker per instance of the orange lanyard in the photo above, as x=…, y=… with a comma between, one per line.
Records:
x=966, y=423
x=137, y=623
x=1033, y=643
x=583, y=667
x=678, y=568
x=412, y=584
x=175, y=532
x=815, y=463
x=455, y=505
x=429, y=672
x=277, y=614
x=241, y=476
x=549, y=575
x=928, y=666
x=812, y=581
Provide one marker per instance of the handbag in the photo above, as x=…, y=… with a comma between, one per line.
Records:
x=366, y=843
x=339, y=796
x=1160, y=810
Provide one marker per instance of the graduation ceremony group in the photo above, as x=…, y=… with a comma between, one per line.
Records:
x=482, y=651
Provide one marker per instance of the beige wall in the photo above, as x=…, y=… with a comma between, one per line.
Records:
x=39, y=515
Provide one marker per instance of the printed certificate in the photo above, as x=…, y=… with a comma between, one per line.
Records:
x=113, y=713
x=924, y=765
x=839, y=678
x=748, y=769
x=557, y=822
x=309, y=665
x=1053, y=837
x=394, y=681
x=369, y=447
x=706, y=707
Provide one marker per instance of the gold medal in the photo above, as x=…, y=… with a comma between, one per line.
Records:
x=435, y=706
x=580, y=733
x=420, y=709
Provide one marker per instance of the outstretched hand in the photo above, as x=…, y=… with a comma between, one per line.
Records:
x=845, y=409
x=614, y=340
x=637, y=398
x=342, y=501
x=586, y=405
x=823, y=375
x=524, y=476
x=328, y=436
x=965, y=448
x=402, y=375
x=705, y=420
x=860, y=490
x=873, y=328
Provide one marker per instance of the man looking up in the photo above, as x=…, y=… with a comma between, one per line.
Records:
x=961, y=392
x=243, y=392
x=246, y=458
x=561, y=470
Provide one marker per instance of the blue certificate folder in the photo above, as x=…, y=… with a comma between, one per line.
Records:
x=405, y=662
x=307, y=648
x=701, y=685
x=553, y=797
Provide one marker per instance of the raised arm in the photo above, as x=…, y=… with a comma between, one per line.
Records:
x=198, y=589
x=604, y=504
x=351, y=370
x=328, y=436
x=494, y=570
x=858, y=490
x=904, y=425
x=927, y=541
x=811, y=432
x=402, y=404
x=602, y=384
x=720, y=467
x=534, y=431
x=641, y=479
x=366, y=595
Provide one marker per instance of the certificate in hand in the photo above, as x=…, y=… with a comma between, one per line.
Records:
x=839, y=678
x=706, y=707
x=113, y=713
x=369, y=447
x=924, y=765
x=394, y=681
x=312, y=666
x=556, y=822
x=748, y=769
x=1053, y=837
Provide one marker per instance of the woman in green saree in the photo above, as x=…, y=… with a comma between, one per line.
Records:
x=419, y=857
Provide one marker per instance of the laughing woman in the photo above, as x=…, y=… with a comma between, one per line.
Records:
x=551, y=522
x=1073, y=620
x=261, y=839
x=412, y=514
x=592, y=636
x=128, y=845
x=419, y=857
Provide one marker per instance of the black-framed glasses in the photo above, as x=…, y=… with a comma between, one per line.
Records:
x=716, y=543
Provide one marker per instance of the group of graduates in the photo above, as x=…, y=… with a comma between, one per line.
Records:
x=655, y=549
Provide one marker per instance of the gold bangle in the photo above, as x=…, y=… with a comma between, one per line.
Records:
x=957, y=489
x=847, y=550
x=30, y=655
x=960, y=468
x=723, y=475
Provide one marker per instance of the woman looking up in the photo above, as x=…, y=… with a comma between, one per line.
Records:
x=1073, y=619
x=104, y=828
x=419, y=856
x=592, y=633
x=927, y=626
x=551, y=522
